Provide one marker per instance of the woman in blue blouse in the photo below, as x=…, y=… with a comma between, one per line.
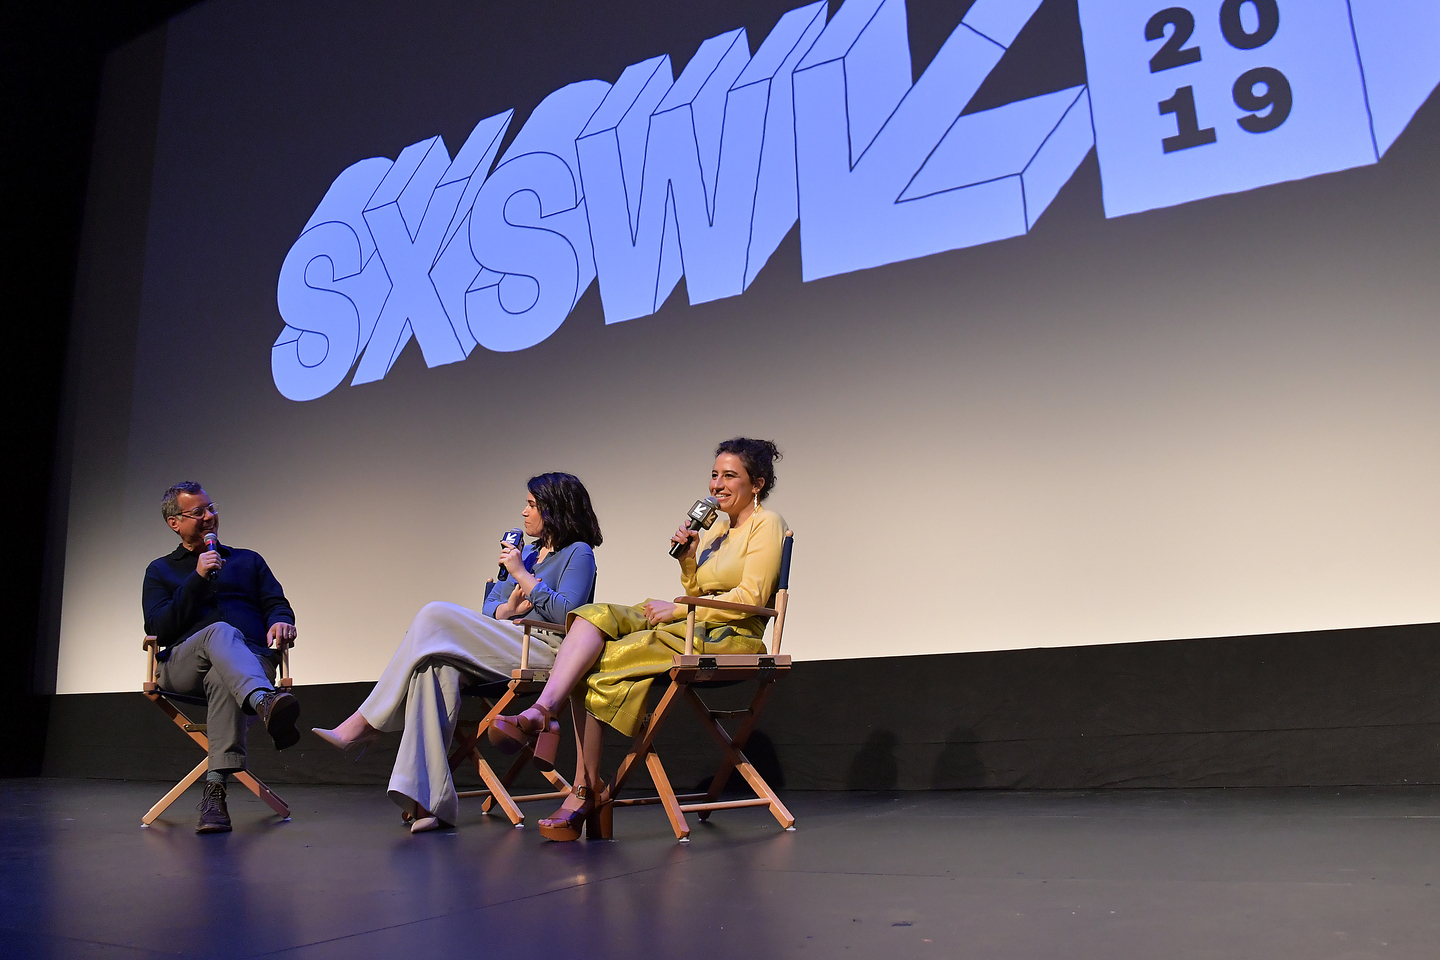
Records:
x=419, y=691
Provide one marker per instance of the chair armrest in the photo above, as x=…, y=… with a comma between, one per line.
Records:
x=525, y=640
x=726, y=605
x=151, y=646
x=541, y=625
x=282, y=649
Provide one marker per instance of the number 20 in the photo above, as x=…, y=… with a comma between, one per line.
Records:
x=1278, y=98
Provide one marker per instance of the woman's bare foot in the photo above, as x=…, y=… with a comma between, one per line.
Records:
x=534, y=719
x=572, y=802
x=566, y=823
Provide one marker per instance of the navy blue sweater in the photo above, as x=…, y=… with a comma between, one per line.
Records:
x=179, y=602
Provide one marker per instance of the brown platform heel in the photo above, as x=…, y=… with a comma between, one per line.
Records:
x=599, y=825
x=509, y=734
x=547, y=744
x=566, y=824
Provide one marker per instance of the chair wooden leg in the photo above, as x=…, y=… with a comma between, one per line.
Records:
x=735, y=759
x=196, y=733
x=470, y=750
x=175, y=792
x=508, y=777
x=257, y=787
x=464, y=747
x=192, y=730
x=667, y=796
x=557, y=781
x=641, y=745
x=642, y=749
x=762, y=789
x=496, y=790
x=742, y=736
x=561, y=785
x=498, y=793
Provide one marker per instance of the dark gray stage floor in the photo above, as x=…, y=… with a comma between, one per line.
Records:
x=1225, y=874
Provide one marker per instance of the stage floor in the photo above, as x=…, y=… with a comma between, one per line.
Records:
x=1224, y=874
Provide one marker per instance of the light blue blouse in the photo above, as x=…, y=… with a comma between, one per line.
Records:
x=567, y=581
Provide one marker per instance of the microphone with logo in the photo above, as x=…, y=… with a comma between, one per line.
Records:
x=702, y=517
x=514, y=537
x=212, y=543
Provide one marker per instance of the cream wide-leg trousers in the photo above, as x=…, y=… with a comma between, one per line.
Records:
x=420, y=692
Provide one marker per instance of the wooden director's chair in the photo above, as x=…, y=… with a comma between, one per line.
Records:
x=497, y=695
x=689, y=672
x=166, y=700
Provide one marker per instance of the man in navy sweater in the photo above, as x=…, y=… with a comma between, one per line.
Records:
x=219, y=615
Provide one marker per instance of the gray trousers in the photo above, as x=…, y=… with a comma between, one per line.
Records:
x=216, y=664
x=419, y=692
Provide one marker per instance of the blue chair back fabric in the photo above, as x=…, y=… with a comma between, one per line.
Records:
x=784, y=582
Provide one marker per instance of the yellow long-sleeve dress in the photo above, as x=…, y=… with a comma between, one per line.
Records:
x=740, y=564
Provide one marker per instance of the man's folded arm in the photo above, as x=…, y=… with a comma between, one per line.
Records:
x=170, y=609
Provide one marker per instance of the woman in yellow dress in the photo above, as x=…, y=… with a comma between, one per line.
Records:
x=612, y=653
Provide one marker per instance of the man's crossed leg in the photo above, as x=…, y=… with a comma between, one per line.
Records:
x=215, y=663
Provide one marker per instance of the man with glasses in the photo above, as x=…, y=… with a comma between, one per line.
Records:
x=219, y=615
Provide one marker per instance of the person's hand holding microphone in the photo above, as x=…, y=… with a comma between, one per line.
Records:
x=701, y=517
x=683, y=543
x=511, y=562
x=512, y=565
x=682, y=547
x=208, y=564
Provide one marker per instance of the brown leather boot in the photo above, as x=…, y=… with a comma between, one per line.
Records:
x=279, y=710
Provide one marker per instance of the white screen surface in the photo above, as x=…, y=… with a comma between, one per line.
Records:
x=1008, y=407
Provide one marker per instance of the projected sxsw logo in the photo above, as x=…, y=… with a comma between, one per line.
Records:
x=653, y=177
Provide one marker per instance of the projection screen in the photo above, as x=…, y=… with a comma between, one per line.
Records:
x=1077, y=323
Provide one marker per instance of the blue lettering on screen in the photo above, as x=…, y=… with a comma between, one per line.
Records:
x=655, y=177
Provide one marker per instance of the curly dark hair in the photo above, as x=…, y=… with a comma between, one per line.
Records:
x=564, y=505
x=759, y=457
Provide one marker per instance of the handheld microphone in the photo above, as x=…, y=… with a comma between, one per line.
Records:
x=702, y=516
x=514, y=537
x=212, y=542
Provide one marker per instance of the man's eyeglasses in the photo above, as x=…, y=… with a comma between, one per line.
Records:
x=199, y=513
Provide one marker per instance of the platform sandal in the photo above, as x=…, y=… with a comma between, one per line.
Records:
x=509, y=734
x=566, y=824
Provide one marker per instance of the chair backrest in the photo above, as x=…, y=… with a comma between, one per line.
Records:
x=782, y=591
